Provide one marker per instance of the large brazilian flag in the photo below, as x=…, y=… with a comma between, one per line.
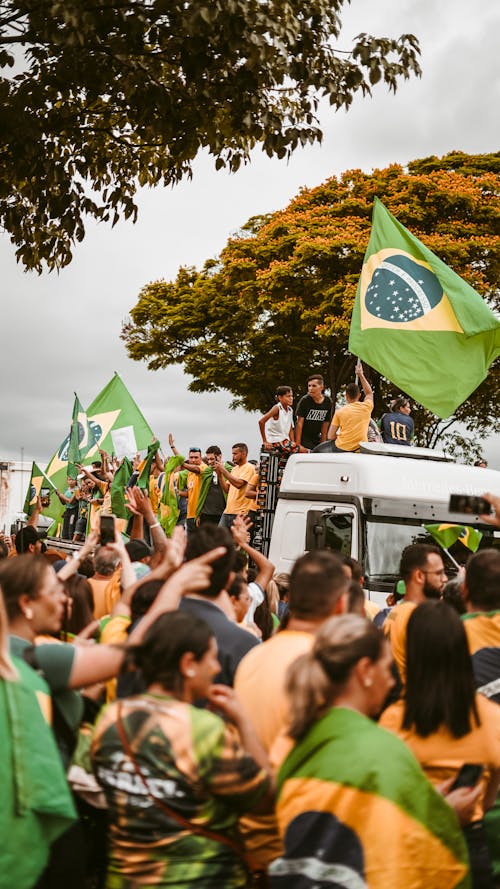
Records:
x=117, y=426
x=355, y=810
x=417, y=322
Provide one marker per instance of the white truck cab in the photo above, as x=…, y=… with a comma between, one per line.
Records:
x=372, y=504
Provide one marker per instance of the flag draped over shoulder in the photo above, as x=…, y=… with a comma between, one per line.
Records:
x=168, y=512
x=118, y=427
x=355, y=809
x=37, y=480
x=36, y=801
x=206, y=481
x=417, y=322
x=448, y=534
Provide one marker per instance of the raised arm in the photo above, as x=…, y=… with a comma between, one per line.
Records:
x=367, y=389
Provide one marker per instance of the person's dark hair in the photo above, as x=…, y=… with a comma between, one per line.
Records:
x=23, y=575
x=240, y=561
x=24, y=537
x=263, y=619
x=237, y=587
x=164, y=644
x=440, y=690
x=453, y=596
x=314, y=679
x=201, y=541
x=143, y=597
x=87, y=567
x=317, y=581
x=4, y=550
x=214, y=449
x=356, y=569
x=81, y=613
x=283, y=390
x=482, y=580
x=316, y=377
x=415, y=556
x=398, y=403
x=251, y=572
x=138, y=550
x=241, y=446
x=352, y=390
x=356, y=599
x=105, y=561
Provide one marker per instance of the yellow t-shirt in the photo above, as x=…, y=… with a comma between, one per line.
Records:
x=353, y=420
x=260, y=685
x=193, y=488
x=236, y=500
x=395, y=626
x=442, y=756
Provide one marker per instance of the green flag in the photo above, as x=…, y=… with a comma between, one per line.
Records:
x=118, y=426
x=168, y=512
x=446, y=535
x=38, y=480
x=143, y=479
x=81, y=438
x=118, y=501
x=417, y=322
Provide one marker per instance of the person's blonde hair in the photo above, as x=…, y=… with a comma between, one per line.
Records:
x=7, y=668
x=314, y=679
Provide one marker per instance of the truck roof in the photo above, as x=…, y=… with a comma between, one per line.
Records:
x=384, y=475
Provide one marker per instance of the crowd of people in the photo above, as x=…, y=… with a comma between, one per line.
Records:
x=176, y=714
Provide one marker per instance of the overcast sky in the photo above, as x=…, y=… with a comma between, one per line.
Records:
x=60, y=333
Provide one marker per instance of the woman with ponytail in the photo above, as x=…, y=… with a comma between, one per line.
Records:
x=354, y=808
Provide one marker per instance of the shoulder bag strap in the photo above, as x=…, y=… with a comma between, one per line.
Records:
x=176, y=816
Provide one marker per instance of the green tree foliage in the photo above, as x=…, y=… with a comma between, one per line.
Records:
x=98, y=98
x=276, y=305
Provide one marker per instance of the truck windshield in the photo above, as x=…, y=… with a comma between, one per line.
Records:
x=387, y=538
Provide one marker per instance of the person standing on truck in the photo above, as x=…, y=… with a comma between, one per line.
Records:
x=313, y=414
x=349, y=426
x=397, y=426
x=276, y=427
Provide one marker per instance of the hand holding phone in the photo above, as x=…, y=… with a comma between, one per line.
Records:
x=470, y=504
x=468, y=776
x=107, y=529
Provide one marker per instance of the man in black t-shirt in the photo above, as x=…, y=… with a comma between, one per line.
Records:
x=314, y=412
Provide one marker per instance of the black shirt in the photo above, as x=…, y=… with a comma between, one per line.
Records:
x=215, y=502
x=233, y=642
x=314, y=416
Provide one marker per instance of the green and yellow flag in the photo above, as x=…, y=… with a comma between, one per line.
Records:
x=145, y=468
x=118, y=427
x=38, y=480
x=448, y=534
x=417, y=322
x=355, y=809
x=168, y=511
x=81, y=438
x=118, y=485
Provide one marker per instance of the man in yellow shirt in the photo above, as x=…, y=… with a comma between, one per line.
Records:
x=241, y=476
x=195, y=467
x=350, y=423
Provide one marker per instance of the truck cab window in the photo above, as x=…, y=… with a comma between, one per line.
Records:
x=329, y=530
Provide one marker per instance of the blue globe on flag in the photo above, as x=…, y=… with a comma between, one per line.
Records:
x=402, y=290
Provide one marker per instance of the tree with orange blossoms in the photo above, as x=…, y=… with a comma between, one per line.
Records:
x=276, y=305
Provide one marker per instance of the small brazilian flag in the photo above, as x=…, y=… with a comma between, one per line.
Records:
x=355, y=810
x=38, y=480
x=446, y=535
x=417, y=322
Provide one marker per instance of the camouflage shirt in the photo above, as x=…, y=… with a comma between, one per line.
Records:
x=195, y=762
